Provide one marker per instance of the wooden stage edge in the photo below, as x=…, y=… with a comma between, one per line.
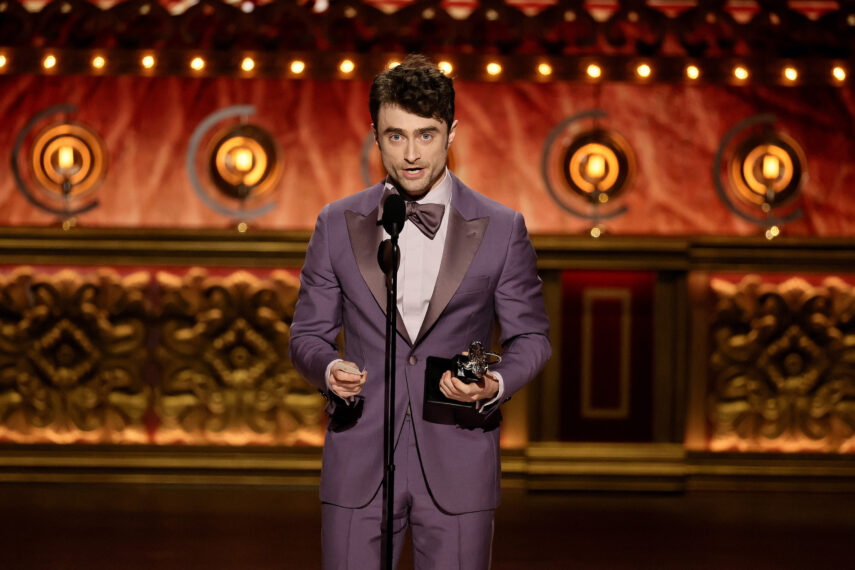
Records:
x=658, y=468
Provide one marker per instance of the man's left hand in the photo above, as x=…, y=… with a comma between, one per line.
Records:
x=454, y=389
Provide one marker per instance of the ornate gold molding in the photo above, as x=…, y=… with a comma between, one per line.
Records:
x=782, y=366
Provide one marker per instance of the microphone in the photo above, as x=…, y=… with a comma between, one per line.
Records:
x=394, y=215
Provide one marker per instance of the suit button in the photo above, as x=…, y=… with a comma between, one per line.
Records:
x=413, y=360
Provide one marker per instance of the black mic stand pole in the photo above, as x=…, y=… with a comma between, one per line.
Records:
x=390, y=257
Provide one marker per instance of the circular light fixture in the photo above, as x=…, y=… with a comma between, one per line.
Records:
x=839, y=73
x=68, y=160
x=49, y=62
x=98, y=62
x=594, y=71
x=791, y=73
x=197, y=64
x=741, y=73
x=596, y=232
x=766, y=170
x=773, y=232
x=544, y=69
x=643, y=71
x=597, y=165
x=445, y=67
x=693, y=72
x=3, y=61
x=248, y=64
x=494, y=69
x=297, y=67
x=148, y=61
x=244, y=161
x=347, y=66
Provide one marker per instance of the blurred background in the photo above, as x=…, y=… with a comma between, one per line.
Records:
x=685, y=169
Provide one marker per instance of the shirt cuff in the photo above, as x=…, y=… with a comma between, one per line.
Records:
x=480, y=405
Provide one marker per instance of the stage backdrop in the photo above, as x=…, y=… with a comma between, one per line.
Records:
x=322, y=127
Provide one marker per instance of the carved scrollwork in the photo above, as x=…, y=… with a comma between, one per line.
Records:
x=224, y=354
x=783, y=366
x=72, y=348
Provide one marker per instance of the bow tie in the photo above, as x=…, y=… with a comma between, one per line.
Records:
x=426, y=217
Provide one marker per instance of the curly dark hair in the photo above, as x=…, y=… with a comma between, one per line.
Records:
x=417, y=86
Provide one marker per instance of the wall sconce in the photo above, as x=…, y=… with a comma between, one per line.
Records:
x=66, y=163
x=586, y=168
x=242, y=163
x=760, y=168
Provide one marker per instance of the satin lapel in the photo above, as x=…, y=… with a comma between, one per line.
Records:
x=461, y=244
x=365, y=237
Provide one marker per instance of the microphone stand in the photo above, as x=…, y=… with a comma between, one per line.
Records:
x=389, y=256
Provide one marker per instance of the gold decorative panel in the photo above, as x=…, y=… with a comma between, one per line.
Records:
x=72, y=349
x=226, y=376
x=783, y=365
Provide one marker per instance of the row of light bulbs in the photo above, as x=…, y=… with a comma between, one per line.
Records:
x=692, y=72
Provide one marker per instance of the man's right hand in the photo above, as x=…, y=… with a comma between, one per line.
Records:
x=344, y=383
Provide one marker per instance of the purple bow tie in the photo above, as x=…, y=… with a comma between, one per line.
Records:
x=426, y=217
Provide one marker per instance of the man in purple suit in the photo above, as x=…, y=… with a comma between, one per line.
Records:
x=466, y=264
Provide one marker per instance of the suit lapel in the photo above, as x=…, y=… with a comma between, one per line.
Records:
x=365, y=237
x=461, y=243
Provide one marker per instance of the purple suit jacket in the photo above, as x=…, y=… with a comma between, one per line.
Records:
x=488, y=275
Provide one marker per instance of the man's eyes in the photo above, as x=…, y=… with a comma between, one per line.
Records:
x=424, y=137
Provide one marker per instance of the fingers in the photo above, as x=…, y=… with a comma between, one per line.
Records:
x=345, y=383
x=454, y=389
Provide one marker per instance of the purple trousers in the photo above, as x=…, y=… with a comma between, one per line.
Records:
x=351, y=537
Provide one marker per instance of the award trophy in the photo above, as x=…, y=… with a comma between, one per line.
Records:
x=469, y=367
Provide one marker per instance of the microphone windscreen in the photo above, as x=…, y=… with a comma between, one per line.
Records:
x=394, y=214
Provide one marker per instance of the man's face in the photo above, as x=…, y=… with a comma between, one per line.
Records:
x=414, y=149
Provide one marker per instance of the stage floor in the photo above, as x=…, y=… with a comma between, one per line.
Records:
x=117, y=527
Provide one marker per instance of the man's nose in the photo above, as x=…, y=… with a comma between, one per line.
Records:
x=411, y=153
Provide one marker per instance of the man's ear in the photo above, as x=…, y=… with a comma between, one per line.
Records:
x=451, y=132
x=374, y=130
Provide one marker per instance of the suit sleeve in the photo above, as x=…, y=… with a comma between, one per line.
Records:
x=317, y=316
x=521, y=313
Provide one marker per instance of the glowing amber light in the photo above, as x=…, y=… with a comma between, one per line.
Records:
x=596, y=166
x=740, y=73
x=594, y=71
x=148, y=62
x=98, y=62
x=692, y=72
x=248, y=64
x=773, y=232
x=839, y=73
x=791, y=73
x=297, y=67
x=393, y=64
x=65, y=157
x=596, y=232
x=445, y=67
x=643, y=71
x=243, y=160
x=347, y=66
x=544, y=69
x=49, y=62
x=494, y=68
x=197, y=63
x=771, y=167
x=2, y=61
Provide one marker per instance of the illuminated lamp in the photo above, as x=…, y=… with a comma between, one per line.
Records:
x=3, y=61
x=445, y=67
x=791, y=74
x=49, y=62
x=643, y=71
x=839, y=73
x=148, y=61
x=594, y=71
x=247, y=64
x=741, y=73
x=98, y=62
x=346, y=66
x=693, y=72
x=197, y=64
x=544, y=69
x=494, y=69
x=393, y=64
x=297, y=67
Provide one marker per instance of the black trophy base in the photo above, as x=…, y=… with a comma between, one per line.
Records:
x=435, y=368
